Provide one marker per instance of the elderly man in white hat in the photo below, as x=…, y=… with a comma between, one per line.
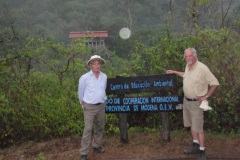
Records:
x=92, y=97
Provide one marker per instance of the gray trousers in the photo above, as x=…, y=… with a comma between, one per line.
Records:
x=94, y=120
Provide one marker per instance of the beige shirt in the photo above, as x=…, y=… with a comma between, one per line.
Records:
x=197, y=80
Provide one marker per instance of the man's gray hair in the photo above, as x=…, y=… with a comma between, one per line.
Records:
x=193, y=50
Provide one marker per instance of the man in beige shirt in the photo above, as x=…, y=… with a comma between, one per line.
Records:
x=196, y=81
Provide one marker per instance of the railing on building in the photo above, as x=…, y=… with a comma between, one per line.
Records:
x=95, y=39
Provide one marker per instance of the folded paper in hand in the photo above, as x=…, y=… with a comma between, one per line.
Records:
x=204, y=105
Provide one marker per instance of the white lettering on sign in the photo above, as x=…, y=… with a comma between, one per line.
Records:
x=140, y=85
x=150, y=107
x=118, y=108
x=116, y=87
x=164, y=99
x=163, y=83
x=139, y=100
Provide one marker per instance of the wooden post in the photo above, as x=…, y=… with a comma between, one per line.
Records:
x=123, y=124
x=165, y=121
x=165, y=126
x=123, y=127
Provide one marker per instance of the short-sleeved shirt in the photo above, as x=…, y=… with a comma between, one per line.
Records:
x=197, y=80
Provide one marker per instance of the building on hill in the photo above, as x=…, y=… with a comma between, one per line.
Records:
x=95, y=39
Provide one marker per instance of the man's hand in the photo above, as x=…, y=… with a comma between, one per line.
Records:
x=82, y=103
x=175, y=72
x=170, y=71
x=202, y=98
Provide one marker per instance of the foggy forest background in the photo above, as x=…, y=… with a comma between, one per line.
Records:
x=40, y=65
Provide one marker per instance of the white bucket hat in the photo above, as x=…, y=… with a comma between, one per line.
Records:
x=96, y=57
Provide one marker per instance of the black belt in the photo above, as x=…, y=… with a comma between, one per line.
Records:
x=191, y=99
x=97, y=104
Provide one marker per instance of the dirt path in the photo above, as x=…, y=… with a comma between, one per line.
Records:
x=141, y=146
